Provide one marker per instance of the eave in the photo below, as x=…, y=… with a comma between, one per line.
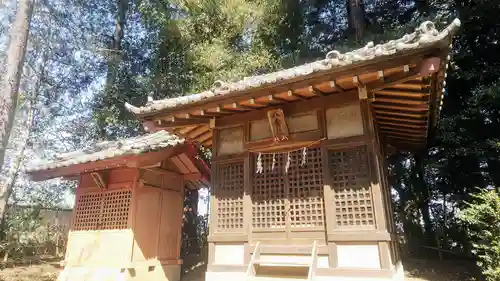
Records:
x=406, y=99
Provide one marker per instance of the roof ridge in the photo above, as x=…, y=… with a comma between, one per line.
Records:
x=109, y=149
x=424, y=35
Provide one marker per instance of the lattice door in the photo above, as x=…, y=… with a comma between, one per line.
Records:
x=103, y=209
x=353, y=203
x=306, y=190
x=87, y=211
x=268, y=194
x=116, y=205
x=229, y=197
x=292, y=199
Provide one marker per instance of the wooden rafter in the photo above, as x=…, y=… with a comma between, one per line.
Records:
x=335, y=86
x=291, y=93
x=406, y=138
x=409, y=86
x=423, y=126
x=315, y=91
x=204, y=137
x=207, y=143
x=194, y=134
x=401, y=94
x=396, y=113
x=181, y=123
x=274, y=98
x=398, y=129
x=404, y=134
x=409, y=108
x=405, y=120
x=401, y=101
x=394, y=79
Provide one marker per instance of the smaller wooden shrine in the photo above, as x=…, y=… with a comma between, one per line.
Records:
x=129, y=204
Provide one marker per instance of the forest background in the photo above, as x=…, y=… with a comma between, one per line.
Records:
x=86, y=58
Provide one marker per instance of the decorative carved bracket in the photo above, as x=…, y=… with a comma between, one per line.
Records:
x=278, y=125
x=100, y=178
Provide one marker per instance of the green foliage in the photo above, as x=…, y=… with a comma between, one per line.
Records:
x=482, y=216
x=27, y=234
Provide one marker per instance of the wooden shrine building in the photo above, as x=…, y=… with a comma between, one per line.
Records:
x=299, y=176
x=129, y=205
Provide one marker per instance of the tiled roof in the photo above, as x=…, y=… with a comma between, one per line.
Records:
x=111, y=149
x=424, y=36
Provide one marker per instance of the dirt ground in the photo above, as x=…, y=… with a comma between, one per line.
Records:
x=415, y=270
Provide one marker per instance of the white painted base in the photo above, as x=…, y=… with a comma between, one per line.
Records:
x=156, y=273
x=233, y=276
x=225, y=276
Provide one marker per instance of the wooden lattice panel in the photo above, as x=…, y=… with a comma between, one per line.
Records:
x=229, y=196
x=351, y=187
x=306, y=189
x=268, y=193
x=87, y=211
x=115, y=211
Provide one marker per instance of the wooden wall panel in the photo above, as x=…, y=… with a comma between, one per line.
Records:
x=170, y=223
x=151, y=178
x=303, y=122
x=172, y=182
x=231, y=140
x=260, y=130
x=343, y=122
x=86, y=181
x=147, y=217
x=121, y=175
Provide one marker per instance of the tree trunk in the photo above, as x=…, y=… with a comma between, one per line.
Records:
x=13, y=174
x=356, y=17
x=115, y=57
x=190, y=222
x=9, y=87
x=424, y=199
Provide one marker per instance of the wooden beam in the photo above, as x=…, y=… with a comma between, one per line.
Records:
x=406, y=138
x=277, y=99
x=395, y=113
x=401, y=101
x=207, y=143
x=315, y=91
x=204, y=137
x=410, y=108
x=185, y=117
x=402, y=125
x=409, y=86
x=182, y=123
x=416, y=121
x=405, y=134
x=292, y=107
x=236, y=105
x=389, y=128
x=394, y=79
x=197, y=132
x=192, y=176
x=335, y=86
x=219, y=109
x=290, y=93
x=393, y=93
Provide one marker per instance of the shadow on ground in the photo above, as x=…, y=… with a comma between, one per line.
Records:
x=436, y=270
